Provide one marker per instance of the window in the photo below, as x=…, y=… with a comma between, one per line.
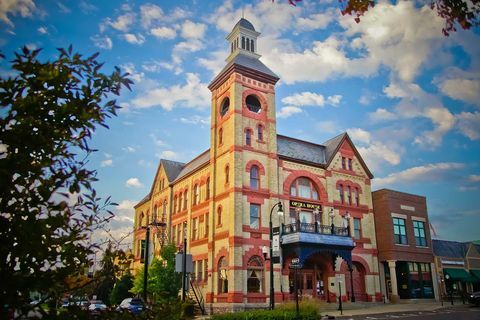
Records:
x=180, y=201
x=357, y=198
x=350, y=164
x=194, y=269
x=303, y=188
x=252, y=46
x=185, y=200
x=206, y=225
x=227, y=173
x=179, y=233
x=255, y=275
x=207, y=191
x=142, y=250
x=399, y=232
x=254, y=216
x=260, y=132
x=419, y=231
x=205, y=269
x=248, y=44
x=196, y=194
x=254, y=178
x=243, y=42
x=220, y=136
x=175, y=204
x=357, y=228
x=219, y=216
x=253, y=104
x=174, y=235
x=340, y=193
x=248, y=137
x=225, y=106
x=349, y=195
x=199, y=270
x=222, y=275
x=194, y=229
x=155, y=211
x=344, y=166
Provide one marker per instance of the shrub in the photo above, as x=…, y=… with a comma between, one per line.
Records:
x=277, y=314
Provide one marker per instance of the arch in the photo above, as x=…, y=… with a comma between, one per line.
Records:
x=254, y=178
x=322, y=193
x=224, y=106
x=227, y=173
x=255, y=163
x=359, y=260
x=219, y=215
x=304, y=187
x=255, y=275
x=253, y=103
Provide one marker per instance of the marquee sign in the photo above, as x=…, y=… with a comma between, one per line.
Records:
x=304, y=205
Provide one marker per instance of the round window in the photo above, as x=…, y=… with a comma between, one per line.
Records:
x=225, y=106
x=253, y=104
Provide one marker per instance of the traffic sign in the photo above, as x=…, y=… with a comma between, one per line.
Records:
x=295, y=260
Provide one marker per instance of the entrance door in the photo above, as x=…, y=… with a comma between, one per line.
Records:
x=358, y=275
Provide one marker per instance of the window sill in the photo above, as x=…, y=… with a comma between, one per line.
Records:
x=218, y=225
x=402, y=245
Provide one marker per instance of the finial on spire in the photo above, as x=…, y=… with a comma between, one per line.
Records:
x=243, y=13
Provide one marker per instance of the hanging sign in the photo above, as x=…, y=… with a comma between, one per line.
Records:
x=304, y=205
x=276, y=245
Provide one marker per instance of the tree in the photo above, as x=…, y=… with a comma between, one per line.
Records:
x=464, y=13
x=105, y=278
x=122, y=288
x=48, y=205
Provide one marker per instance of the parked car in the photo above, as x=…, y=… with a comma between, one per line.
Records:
x=82, y=304
x=97, y=306
x=474, y=298
x=132, y=305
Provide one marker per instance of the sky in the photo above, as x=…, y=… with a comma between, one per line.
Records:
x=408, y=96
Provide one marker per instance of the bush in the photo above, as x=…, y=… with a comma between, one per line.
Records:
x=188, y=309
x=277, y=314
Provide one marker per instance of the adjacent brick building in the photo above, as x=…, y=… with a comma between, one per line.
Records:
x=404, y=244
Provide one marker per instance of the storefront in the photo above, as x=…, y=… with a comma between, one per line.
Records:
x=458, y=280
x=414, y=280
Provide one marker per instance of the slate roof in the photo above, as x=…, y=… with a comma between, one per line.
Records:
x=332, y=145
x=300, y=150
x=450, y=249
x=193, y=165
x=172, y=168
x=245, y=24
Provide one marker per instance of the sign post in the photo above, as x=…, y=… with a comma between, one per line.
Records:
x=296, y=265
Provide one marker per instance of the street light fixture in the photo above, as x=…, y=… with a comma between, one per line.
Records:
x=332, y=215
x=280, y=213
x=348, y=217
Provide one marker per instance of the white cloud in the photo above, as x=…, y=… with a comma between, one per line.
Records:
x=123, y=22
x=377, y=153
x=24, y=8
x=381, y=115
x=288, y=111
x=133, y=74
x=129, y=149
x=467, y=90
x=163, y=33
x=192, y=30
x=311, y=99
x=474, y=178
x=168, y=154
x=429, y=172
x=215, y=62
x=134, y=39
x=134, y=183
x=106, y=163
x=196, y=120
x=150, y=14
x=469, y=124
x=316, y=21
x=194, y=94
x=87, y=7
x=43, y=30
x=102, y=42
x=359, y=135
x=327, y=127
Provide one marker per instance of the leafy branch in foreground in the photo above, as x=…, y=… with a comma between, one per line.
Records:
x=48, y=205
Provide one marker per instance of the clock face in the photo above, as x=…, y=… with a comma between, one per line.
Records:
x=225, y=106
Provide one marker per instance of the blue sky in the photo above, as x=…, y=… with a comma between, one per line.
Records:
x=408, y=96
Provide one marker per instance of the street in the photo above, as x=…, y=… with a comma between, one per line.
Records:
x=469, y=313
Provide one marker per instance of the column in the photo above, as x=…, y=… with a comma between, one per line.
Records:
x=436, y=282
x=393, y=279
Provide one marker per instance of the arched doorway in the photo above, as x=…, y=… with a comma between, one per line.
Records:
x=358, y=275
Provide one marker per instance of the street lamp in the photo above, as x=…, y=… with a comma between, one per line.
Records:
x=348, y=217
x=331, y=214
x=147, y=249
x=280, y=213
x=316, y=213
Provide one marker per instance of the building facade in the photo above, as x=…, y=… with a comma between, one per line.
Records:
x=458, y=266
x=223, y=201
x=407, y=269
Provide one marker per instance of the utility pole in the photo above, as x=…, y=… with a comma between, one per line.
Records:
x=145, y=269
x=184, y=264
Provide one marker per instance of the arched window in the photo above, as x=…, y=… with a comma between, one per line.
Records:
x=180, y=201
x=155, y=211
x=248, y=137
x=222, y=275
x=260, y=132
x=255, y=275
x=231, y=47
x=219, y=215
x=243, y=42
x=254, y=178
x=224, y=106
x=340, y=193
x=140, y=220
x=357, y=199
x=248, y=44
x=303, y=188
x=164, y=212
x=196, y=194
x=349, y=195
x=253, y=104
x=185, y=200
x=207, y=191
x=175, y=204
x=227, y=174
x=220, y=136
x=252, y=47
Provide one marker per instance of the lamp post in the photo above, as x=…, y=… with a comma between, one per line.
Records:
x=145, y=260
x=316, y=214
x=272, y=293
x=348, y=217
x=184, y=262
x=331, y=214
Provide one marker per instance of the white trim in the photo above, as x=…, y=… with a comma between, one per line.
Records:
x=398, y=215
x=408, y=208
x=419, y=218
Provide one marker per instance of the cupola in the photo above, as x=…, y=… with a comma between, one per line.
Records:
x=243, y=40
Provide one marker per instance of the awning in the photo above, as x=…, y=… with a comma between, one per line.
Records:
x=476, y=273
x=459, y=275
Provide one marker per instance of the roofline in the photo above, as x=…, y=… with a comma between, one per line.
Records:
x=407, y=193
x=312, y=143
x=255, y=74
x=196, y=169
x=310, y=163
x=144, y=200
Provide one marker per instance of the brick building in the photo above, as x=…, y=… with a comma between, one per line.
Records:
x=407, y=269
x=223, y=200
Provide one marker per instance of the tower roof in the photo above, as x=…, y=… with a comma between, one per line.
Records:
x=245, y=24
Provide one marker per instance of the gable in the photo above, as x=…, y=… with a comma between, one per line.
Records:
x=472, y=251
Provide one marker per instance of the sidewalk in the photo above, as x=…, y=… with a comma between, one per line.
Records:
x=363, y=308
